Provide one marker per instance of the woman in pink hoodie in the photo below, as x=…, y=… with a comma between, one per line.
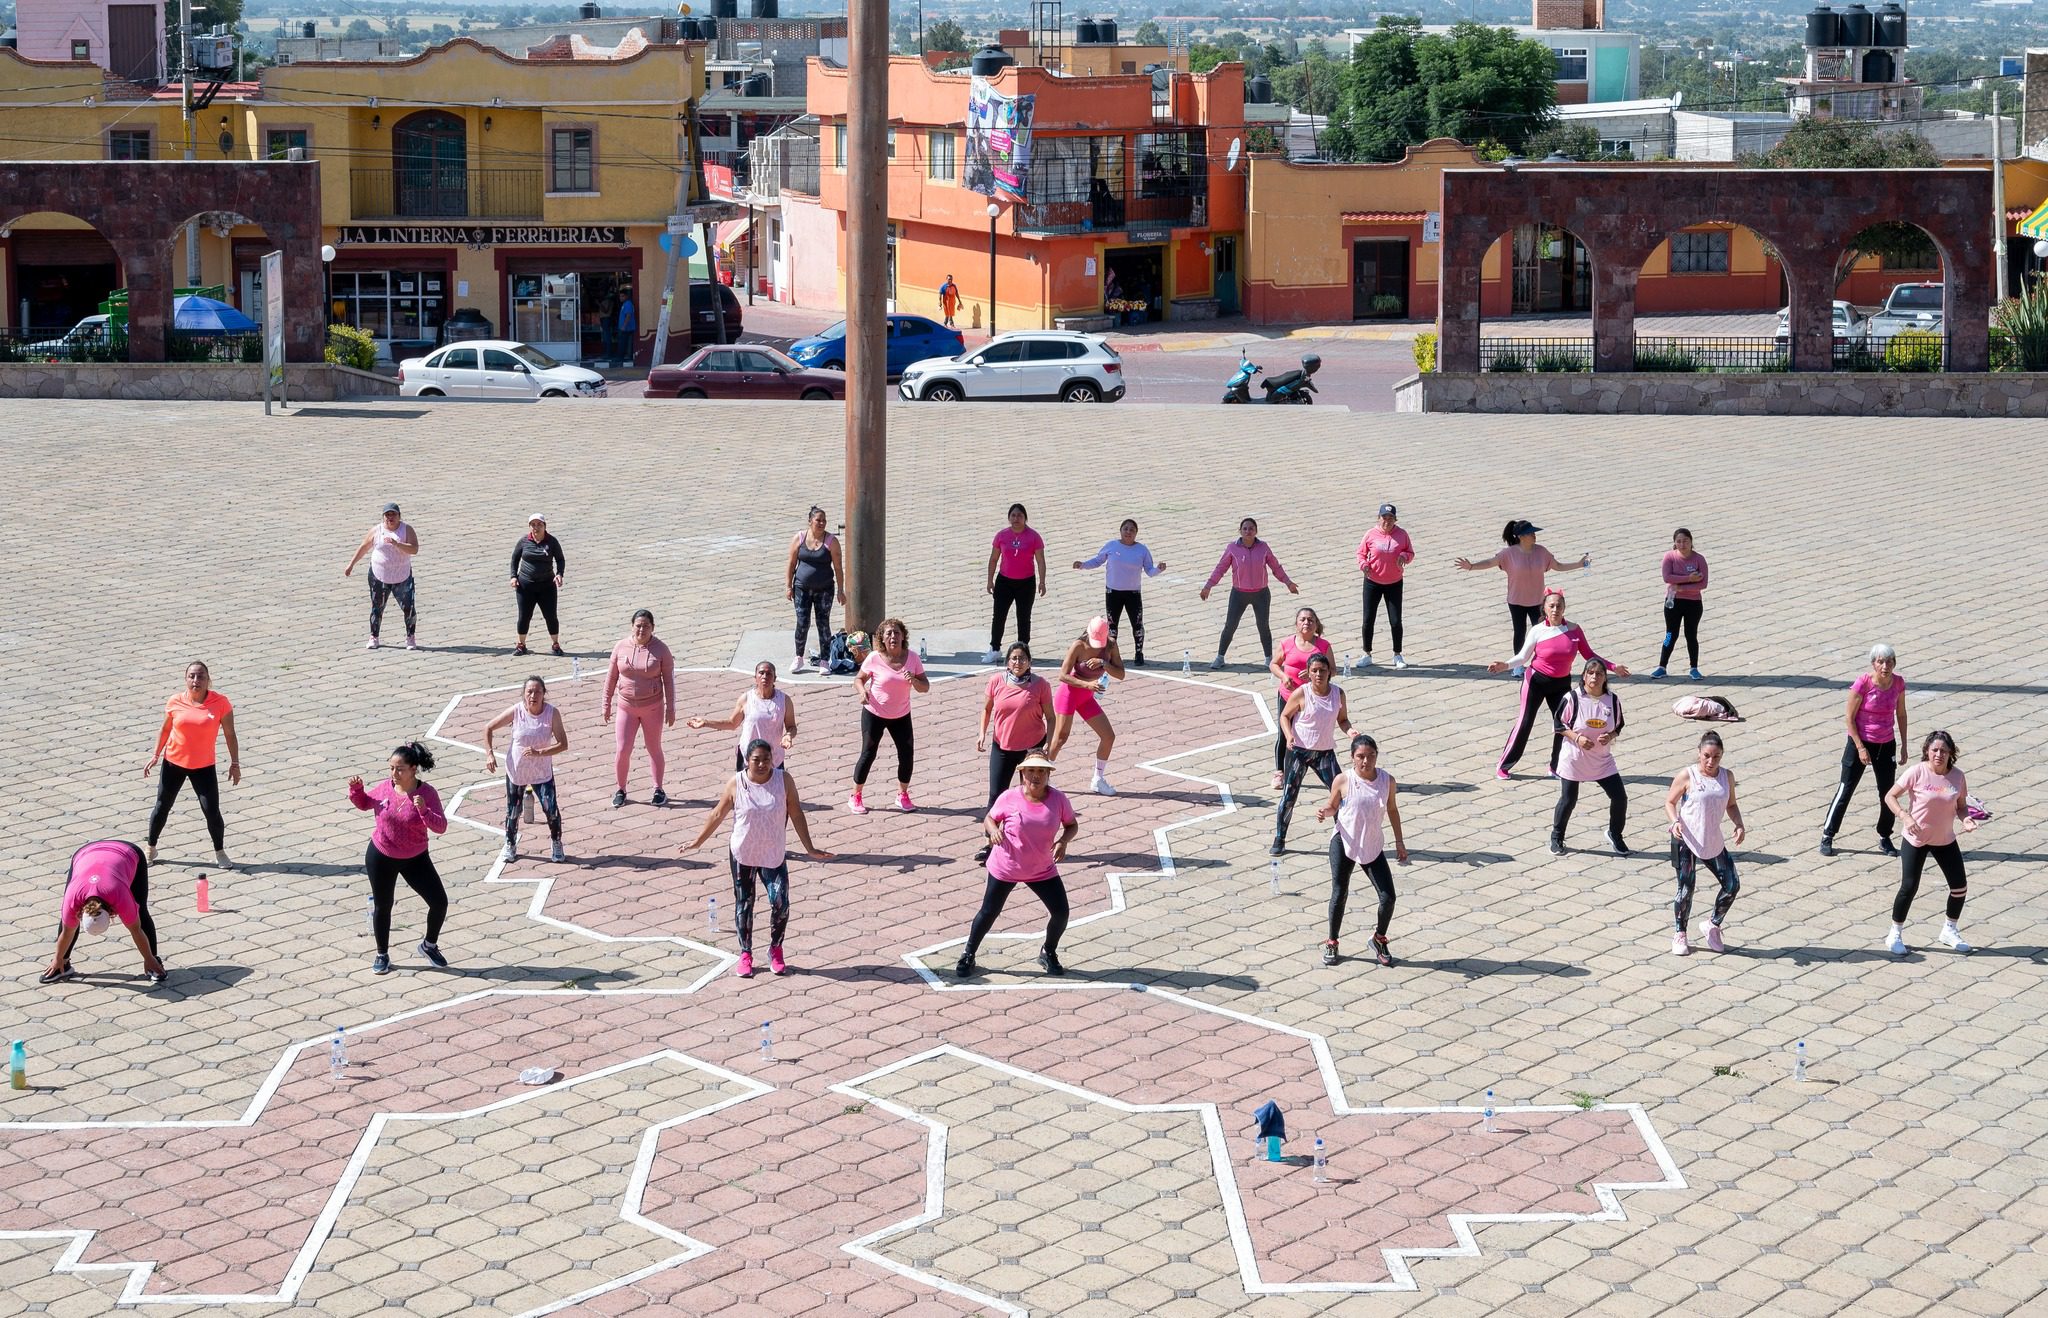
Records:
x=407, y=810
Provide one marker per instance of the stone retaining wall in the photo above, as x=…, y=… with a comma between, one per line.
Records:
x=1836, y=393
x=323, y=382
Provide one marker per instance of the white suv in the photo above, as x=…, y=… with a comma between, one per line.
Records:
x=1041, y=364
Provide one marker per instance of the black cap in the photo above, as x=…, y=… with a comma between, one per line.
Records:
x=390, y=507
x=1526, y=527
x=1386, y=510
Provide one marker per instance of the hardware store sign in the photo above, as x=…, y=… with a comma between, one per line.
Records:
x=482, y=235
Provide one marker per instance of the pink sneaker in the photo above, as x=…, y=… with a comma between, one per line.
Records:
x=1502, y=774
x=776, y=965
x=1714, y=943
x=903, y=801
x=745, y=968
x=1679, y=947
x=856, y=805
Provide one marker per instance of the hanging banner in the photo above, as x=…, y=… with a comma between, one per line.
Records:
x=998, y=141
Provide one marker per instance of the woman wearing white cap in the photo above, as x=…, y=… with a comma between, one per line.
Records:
x=109, y=881
x=1028, y=830
x=1084, y=674
x=391, y=545
x=537, y=566
x=760, y=799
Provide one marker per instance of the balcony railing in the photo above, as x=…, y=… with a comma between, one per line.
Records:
x=442, y=193
x=1099, y=207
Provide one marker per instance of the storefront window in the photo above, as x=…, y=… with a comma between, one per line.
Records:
x=547, y=312
x=392, y=304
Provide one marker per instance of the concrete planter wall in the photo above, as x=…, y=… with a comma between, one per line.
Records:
x=1822, y=393
x=204, y=381
x=1194, y=308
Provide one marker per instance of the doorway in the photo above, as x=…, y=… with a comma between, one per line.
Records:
x=1379, y=277
x=430, y=152
x=602, y=291
x=547, y=313
x=1226, y=276
x=60, y=276
x=1553, y=271
x=1135, y=279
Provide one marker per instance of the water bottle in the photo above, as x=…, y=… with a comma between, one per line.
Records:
x=1322, y=1164
x=714, y=915
x=370, y=915
x=531, y=811
x=576, y=669
x=1488, y=1125
x=1347, y=663
x=17, y=1065
x=1273, y=876
x=923, y=655
x=767, y=1042
x=1102, y=687
x=337, y=1055
x=1187, y=664
x=1798, y=1060
x=1585, y=563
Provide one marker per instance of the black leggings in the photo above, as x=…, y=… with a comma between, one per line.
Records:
x=1538, y=688
x=205, y=786
x=1391, y=593
x=1676, y=612
x=1050, y=891
x=1911, y=858
x=1525, y=616
x=1002, y=768
x=1017, y=591
x=541, y=595
x=1115, y=603
x=1376, y=869
x=1687, y=864
x=419, y=875
x=1884, y=763
x=1301, y=763
x=1260, y=602
x=871, y=727
x=1568, y=800
x=138, y=889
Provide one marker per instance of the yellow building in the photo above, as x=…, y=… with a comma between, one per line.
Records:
x=532, y=189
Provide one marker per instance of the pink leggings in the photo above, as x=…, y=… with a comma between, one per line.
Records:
x=645, y=720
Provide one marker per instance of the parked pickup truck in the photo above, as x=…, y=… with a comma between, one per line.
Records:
x=1907, y=307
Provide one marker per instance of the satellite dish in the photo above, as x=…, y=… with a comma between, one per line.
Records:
x=1230, y=160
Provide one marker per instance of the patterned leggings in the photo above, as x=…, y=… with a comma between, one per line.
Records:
x=1687, y=864
x=776, y=880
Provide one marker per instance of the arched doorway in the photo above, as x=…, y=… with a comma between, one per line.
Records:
x=59, y=270
x=430, y=164
x=1545, y=273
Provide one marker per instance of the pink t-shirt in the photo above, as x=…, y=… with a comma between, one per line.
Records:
x=1677, y=566
x=1293, y=661
x=1382, y=554
x=888, y=686
x=1876, y=718
x=1931, y=804
x=1589, y=716
x=1525, y=569
x=1019, y=550
x=1018, y=712
x=105, y=870
x=1031, y=829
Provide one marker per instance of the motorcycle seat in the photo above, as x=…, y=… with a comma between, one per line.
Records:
x=1285, y=378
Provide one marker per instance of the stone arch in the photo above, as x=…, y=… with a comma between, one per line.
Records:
x=59, y=269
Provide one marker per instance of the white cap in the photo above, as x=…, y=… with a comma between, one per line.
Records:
x=536, y=517
x=98, y=924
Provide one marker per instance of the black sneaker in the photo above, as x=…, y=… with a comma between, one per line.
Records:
x=1615, y=844
x=381, y=965
x=1380, y=952
x=1884, y=844
x=966, y=969
x=519, y=649
x=1556, y=845
x=1329, y=954
x=1277, y=849
x=155, y=978
x=618, y=799
x=1827, y=845
x=1050, y=962
x=1139, y=661
x=60, y=975
x=557, y=650
x=432, y=952
x=660, y=797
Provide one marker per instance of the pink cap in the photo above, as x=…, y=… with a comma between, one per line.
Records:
x=1098, y=632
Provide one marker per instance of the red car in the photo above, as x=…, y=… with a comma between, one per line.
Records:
x=743, y=370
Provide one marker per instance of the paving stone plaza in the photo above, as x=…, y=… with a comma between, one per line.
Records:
x=1016, y=1143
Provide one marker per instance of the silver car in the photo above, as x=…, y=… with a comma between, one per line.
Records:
x=1852, y=331
x=1047, y=365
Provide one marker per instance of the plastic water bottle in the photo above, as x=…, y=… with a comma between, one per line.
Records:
x=1798, y=1060
x=923, y=655
x=1187, y=664
x=576, y=669
x=1273, y=876
x=1489, y=1113
x=532, y=806
x=1102, y=687
x=205, y=896
x=714, y=915
x=1322, y=1164
x=337, y=1054
x=1347, y=663
x=370, y=915
x=17, y=1065
x=767, y=1042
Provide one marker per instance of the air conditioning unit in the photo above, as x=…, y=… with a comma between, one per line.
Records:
x=214, y=51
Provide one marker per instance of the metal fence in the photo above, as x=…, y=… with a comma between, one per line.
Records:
x=1567, y=356
x=55, y=343
x=1683, y=354
x=189, y=346
x=442, y=192
x=1907, y=352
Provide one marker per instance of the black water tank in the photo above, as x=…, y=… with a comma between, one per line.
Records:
x=1258, y=90
x=1891, y=25
x=588, y=11
x=989, y=61
x=725, y=8
x=707, y=29
x=309, y=29
x=1823, y=27
x=764, y=9
x=1107, y=27
x=1858, y=28
x=1086, y=33
x=755, y=85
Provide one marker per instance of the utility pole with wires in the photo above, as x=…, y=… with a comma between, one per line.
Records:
x=191, y=133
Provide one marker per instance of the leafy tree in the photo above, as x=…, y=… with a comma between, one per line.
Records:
x=1149, y=34
x=1473, y=83
x=358, y=30
x=1857, y=144
x=1572, y=141
x=1203, y=57
x=946, y=35
x=1312, y=86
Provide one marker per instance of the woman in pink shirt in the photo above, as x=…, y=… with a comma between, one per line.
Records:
x=885, y=680
x=1685, y=576
x=108, y=881
x=1701, y=796
x=1085, y=672
x=1934, y=797
x=1247, y=559
x=407, y=810
x=1028, y=830
x=1016, y=715
x=1383, y=555
x=1525, y=562
x=1289, y=666
x=1589, y=721
x=1016, y=564
x=1548, y=653
x=1876, y=719
x=640, y=688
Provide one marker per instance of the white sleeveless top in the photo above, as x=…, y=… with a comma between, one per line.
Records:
x=760, y=812
x=1359, y=814
x=764, y=719
x=1315, y=727
x=1591, y=717
x=387, y=560
x=530, y=730
x=1700, y=812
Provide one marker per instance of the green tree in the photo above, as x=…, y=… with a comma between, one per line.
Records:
x=946, y=35
x=1473, y=83
x=1203, y=57
x=358, y=30
x=1149, y=34
x=1572, y=141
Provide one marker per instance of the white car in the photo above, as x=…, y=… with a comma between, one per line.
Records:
x=1024, y=364
x=494, y=368
x=87, y=333
x=1852, y=331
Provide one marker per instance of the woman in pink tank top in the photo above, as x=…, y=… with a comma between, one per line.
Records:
x=1933, y=797
x=1701, y=796
x=760, y=799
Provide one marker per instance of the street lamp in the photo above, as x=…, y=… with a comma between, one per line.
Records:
x=326, y=284
x=993, y=211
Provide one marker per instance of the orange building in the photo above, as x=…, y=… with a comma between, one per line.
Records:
x=1132, y=196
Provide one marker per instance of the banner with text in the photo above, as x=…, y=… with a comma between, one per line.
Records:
x=998, y=141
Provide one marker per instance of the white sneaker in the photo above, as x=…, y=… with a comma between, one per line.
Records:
x=1365, y=661
x=220, y=858
x=798, y=666
x=1679, y=947
x=372, y=645
x=557, y=854
x=1399, y=662
x=1895, y=942
x=510, y=852
x=1100, y=786
x=149, y=853
x=992, y=657
x=1952, y=937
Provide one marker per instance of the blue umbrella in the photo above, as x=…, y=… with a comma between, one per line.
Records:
x=204, y=315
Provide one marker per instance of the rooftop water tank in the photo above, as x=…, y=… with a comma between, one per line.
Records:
x=1086, y=33
x=588, y=10
x=1891, y=25
x=725, y=8
x=764, y=9
x=1823, y=27
x=1258, y=90
x=1107, y=27
x=309, y=29
x=1858, y=27
x=989, y=61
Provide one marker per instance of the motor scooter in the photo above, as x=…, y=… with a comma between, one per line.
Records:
x=1288, y=387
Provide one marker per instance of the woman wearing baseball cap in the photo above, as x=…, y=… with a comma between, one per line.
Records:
x=537, y=566
x=1084, y=674
x=1525, y=562
x=1028, y=830
x=391, y=545
x=109, y=881
x=1383, y=556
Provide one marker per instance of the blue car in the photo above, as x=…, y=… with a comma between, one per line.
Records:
x=911, y=339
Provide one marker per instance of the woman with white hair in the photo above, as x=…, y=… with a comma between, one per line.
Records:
x=109, y=881
x=1876, y=719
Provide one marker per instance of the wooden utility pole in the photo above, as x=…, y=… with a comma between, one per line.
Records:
x=867, y=363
